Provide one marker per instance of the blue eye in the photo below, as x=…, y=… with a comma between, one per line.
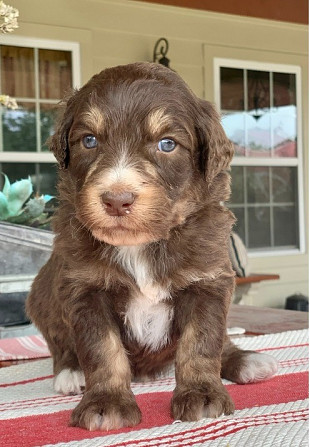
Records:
x=166, y=145
x=90, y=141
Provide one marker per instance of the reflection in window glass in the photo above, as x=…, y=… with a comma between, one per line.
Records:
x=232, y=89
x=17, y=71
x=239, y=226
x=258, y=190
x=19, y=128
x=263, y=125
x=286, y=226
x=234, y=126
x=258, y=90
x=259, y=231
x=264, y=204
x=284, y=185
x=43, y=175
x=258, y=135
x=47, y=121
x=284, y=89
x=284, y=127
x=55, y=73
x=237, y=187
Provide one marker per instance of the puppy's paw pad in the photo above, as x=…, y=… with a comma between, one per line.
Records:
x=69, y=382
x=105, y=413
x=218, y=407
x=105, y=422
x=257, y=367
x=192, y=406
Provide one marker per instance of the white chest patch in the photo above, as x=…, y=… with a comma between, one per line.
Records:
x=148, y=317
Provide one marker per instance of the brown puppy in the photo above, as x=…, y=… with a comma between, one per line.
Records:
x=140, y=274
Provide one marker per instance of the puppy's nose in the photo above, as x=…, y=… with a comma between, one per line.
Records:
x=117, y=204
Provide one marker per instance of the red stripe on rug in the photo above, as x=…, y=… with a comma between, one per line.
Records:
x=39, y=430
x=25, y=382
x=277, y=348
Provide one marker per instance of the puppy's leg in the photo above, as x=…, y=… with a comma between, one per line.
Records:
x=108, y=402
x=69, y=378
x=246, y=366
x=44, y=309
x=199, y=391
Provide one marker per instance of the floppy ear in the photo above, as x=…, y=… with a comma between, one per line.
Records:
x=58, y=143
x=216, y=150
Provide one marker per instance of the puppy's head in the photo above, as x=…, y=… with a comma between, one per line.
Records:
x=141, y=153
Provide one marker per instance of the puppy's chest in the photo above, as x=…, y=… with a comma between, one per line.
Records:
x=149, y=314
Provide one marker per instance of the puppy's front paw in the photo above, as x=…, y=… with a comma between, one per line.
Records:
x=192, y=405
x=106, y=411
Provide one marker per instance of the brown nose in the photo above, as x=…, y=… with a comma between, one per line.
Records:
x=117, y=204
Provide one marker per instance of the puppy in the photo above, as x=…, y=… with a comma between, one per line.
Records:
x=140, y=275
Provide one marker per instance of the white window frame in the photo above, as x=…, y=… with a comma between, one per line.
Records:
x=74, y=48
x=270, y=162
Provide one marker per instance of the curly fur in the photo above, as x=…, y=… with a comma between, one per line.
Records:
x=126, y=293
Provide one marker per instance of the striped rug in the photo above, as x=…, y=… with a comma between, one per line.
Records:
x=269, y=414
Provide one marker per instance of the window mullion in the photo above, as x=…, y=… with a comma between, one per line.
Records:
x=246, y=214
x=37, y=97
x=245, y=99
x=272, y=239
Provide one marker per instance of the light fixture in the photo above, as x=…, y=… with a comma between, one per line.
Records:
x=160, y=51
x=258, y=91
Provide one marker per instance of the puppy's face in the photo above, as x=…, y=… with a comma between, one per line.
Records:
x=136, y=152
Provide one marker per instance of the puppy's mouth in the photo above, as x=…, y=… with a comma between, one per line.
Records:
x=119, y=235
x=126, y=218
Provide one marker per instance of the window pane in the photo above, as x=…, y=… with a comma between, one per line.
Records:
x=19, y=128
x=46, y=179
x=284, y=185
x=47, y=120
x=259, y=227
x=285, y=226
x=232, y=89
x=258, y=135
x=240, y=223
x=237, y=184
x=234, y=126
x=43, y=175
x=284, y=124
x=17, y=71
x=55, y=73
x=284, y=89
x=258, y=190
x=258, y=90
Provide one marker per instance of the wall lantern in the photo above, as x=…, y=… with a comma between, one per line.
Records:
x=160, y=51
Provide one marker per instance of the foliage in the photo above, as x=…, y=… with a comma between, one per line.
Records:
x=17, y=205
x=8, y=15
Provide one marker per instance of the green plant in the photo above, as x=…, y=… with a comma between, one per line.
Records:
x=17, y=206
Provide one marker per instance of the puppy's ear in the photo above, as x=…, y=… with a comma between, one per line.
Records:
x=215, y=149
x=58, y=143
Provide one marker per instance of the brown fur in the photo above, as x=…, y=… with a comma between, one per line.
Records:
x=81, y=298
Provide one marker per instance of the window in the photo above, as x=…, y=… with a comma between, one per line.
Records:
x=260, y=107
x=37, y=74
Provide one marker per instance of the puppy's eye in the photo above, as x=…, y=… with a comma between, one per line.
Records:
x=90, y=141
x=166, y=145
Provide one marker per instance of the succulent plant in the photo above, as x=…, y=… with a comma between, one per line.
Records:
x=16, y=206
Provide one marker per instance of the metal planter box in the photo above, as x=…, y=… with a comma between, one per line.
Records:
x=23, y=251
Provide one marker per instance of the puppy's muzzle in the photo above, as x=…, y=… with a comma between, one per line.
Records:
x=117, y=204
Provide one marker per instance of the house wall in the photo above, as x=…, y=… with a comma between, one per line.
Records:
x=113, y=32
